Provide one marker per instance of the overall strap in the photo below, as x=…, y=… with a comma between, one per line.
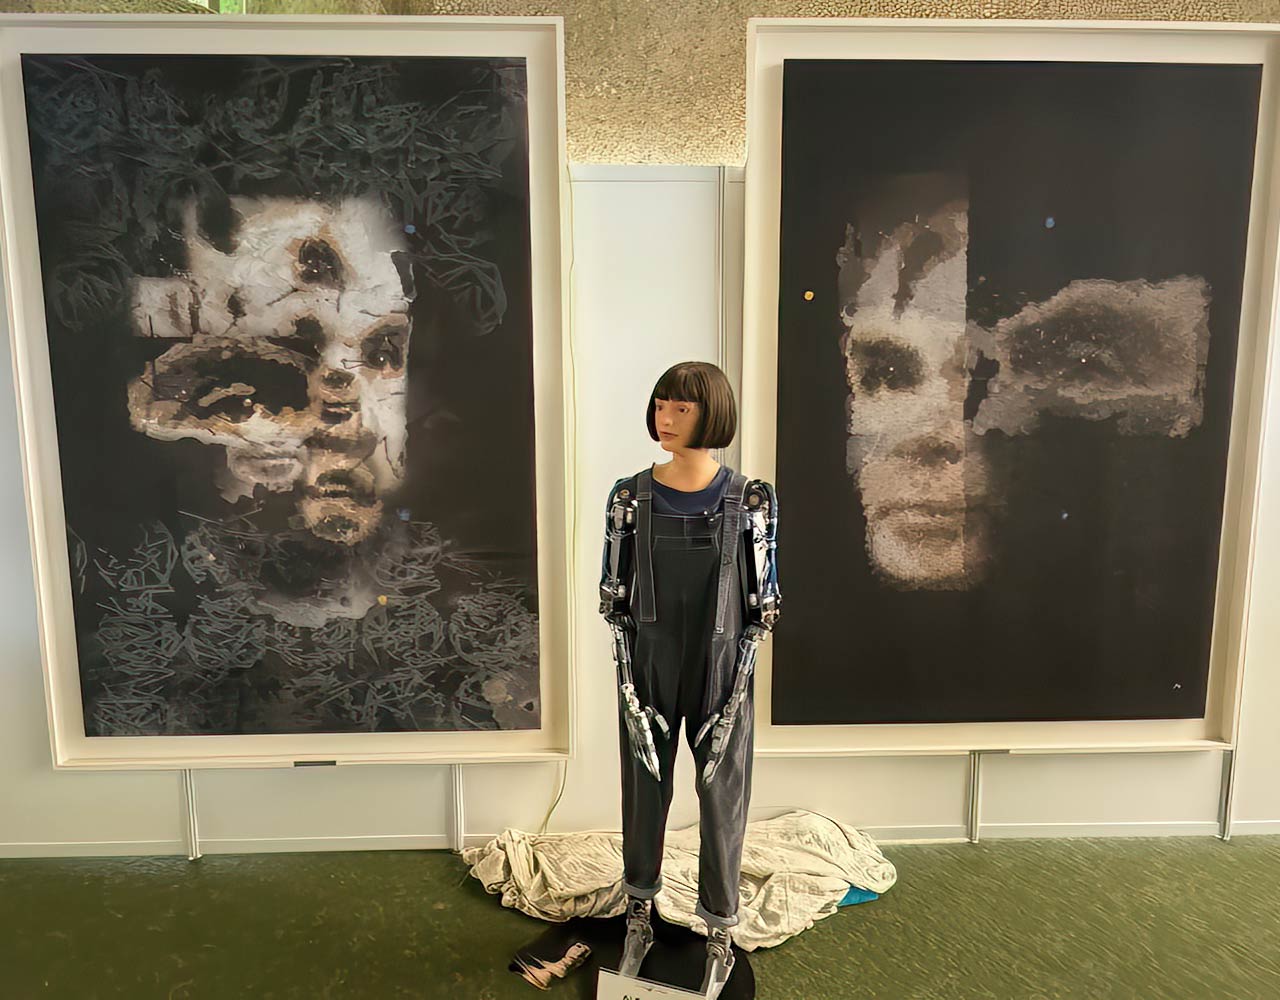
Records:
x=645, y=605
x=731, y=531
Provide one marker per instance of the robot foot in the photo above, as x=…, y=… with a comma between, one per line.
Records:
x=639, y=936
x=719, y=962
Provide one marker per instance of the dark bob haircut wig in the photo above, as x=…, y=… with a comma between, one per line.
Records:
x=704, y=384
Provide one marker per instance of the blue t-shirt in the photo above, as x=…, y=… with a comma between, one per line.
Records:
x=667, y=500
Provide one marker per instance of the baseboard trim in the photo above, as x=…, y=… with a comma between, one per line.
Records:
x=294, y=845
x=949, y=834
x=91, y=849
x=1251, y=827
x=1041, y=831
x=892, y=835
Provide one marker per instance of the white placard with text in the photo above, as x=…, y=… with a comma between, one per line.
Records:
x=615, y=987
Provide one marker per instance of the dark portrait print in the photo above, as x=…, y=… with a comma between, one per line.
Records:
x=289, y=326
x=1008, y=324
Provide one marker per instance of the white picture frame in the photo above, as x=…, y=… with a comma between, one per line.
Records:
x=771, y=41
x=540, y=41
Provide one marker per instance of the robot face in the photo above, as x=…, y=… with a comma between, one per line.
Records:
x=675, y=421
x=288, y=353
x=922, y=483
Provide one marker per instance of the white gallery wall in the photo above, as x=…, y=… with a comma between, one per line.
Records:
x=648, y=242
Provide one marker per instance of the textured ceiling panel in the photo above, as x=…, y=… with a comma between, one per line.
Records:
x=664, y=81
x=102, y=7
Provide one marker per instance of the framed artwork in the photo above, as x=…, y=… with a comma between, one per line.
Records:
x=285, y=303
x=1005, y=341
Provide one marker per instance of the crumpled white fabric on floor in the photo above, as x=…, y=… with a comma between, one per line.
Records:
x=795, y=870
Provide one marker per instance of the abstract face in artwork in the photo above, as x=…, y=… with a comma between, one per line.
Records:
x=289, y=351
x=902, y=286
x=927, y=384
x=270, y=526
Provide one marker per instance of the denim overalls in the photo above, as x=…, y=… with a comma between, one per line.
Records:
x=689, y=605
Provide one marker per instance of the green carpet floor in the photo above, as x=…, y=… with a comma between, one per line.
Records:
x=1152, y=919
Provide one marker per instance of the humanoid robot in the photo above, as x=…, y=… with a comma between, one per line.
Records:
x=689, y=587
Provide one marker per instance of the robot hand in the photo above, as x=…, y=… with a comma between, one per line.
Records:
x=640, y=731
x=720, y=724
x=639, y=720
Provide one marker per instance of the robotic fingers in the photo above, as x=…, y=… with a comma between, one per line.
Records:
x=640, y=720
x=720, y=724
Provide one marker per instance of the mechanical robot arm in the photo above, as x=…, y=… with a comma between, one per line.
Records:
x=615, y=605
x=764, y=605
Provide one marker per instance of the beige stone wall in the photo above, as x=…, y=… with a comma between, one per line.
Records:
x=663, y=81
x=101, y=7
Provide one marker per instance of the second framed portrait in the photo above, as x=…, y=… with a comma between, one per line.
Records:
x=1003, y=339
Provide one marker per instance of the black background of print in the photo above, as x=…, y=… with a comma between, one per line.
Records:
x=1105, y=613
x=470, y=450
